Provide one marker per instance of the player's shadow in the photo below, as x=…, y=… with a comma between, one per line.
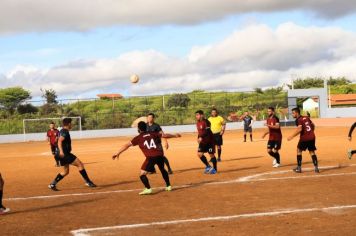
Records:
x=332, y=168
x=238, y=169
x=56, y=206
x=116, y=184
x=90, y=163
x=295, y=164
x=242, y=158
x=193, y=185
x=187, y=170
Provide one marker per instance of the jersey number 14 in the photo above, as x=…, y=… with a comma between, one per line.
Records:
x=150, y=145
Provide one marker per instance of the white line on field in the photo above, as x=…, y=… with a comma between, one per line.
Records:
x=250, y=178
x=86, y=232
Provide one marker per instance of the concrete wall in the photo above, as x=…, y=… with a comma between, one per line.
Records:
x=343, y=112
x=115, y=132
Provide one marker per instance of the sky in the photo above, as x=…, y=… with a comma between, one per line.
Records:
x=82, y=48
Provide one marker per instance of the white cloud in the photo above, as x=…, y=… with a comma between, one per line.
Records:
x=255, y=56
x=43, y=15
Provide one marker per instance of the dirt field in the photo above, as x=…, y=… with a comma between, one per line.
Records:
x=246, y=197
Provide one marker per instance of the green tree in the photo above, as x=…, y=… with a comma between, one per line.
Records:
x=258, y=90
x=50, y=95
x=27, y=108
x=11, y=98
x=338, y=81
x=178, y=100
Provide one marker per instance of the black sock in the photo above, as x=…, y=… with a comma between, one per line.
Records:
x=1, y=193
x=315, y=160
x=278, y=157
x=251, y=137
x=271, y=154
x=299, y=160
x=215, y=163
x=219, y=152
x=353, y=152
x=145, y=182
x=165, y=176
x=167, y=163
x=245, y=137
x=57, y=179
x=84, y=174
x=205, y=161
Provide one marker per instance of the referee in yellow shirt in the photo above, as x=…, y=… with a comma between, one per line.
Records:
x=218, y=125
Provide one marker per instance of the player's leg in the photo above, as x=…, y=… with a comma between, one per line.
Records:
x=160, y=164
x=59, y=177
x=166, y=162
x=3, y=209
x=315, y=160
x=271, y=153
x=215, y=163
x=82, y=171
x=54, y=153
x=250, y=131
x=219, y=153
x=201, y=150
x=298, y=169
x=146, y=167
x=219, y=143
x=350, y=153
x=245, y=134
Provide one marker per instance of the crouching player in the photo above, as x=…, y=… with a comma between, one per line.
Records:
x=151, y=146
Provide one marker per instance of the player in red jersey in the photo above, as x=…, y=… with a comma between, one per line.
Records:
x=3, y=209
x=151, y=146
x=206, y=142
x=275, y=137
x=351, y=152
x=52, y=138
x=305, y=128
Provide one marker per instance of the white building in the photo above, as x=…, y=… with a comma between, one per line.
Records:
x=311, y=104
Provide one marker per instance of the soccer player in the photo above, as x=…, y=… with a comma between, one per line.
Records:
x=275, y=137
x=52, y=138
x=151, y=146
x=154, y=127
x=350, y=152
x=305, y=128
x=66, y=157
x=206, y=142
x=218, y=126
x=247, y=122
x=3, y=209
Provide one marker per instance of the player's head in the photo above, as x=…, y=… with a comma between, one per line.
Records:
x=142, y=127
x=52, y=125
x=67, y=123
x=199, y=115
x=270, y=111
x=150, y=118
x=296, y=112
x=214, y=112
x=246, y=113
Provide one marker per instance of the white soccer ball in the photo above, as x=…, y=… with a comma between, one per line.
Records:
x=134, y=79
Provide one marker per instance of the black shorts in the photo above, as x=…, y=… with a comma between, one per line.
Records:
x=54, y=149
x=274, y=144
x=67, y=159
x=304, y=145
x=206, y=148
x=218, y=139
x=248, y=129
x=150, y=162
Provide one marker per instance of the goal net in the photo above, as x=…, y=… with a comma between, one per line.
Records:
x=41, y=125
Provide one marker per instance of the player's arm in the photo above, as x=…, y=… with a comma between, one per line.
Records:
x=265, y=133
x=121, y=150
x=351, y=130
x=167, y=136
x=166, y=145
x=60, y=146
x=223, y=127
x=275, y=126
x=296, y=132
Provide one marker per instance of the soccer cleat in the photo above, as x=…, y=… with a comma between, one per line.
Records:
x=208, y=169
x=276, y=165
x=349, y=154
x=274, y=162
x=53, y=187
x=316, y=170
x=298, y=169
x=90, y=184
x=170, y=172
x=4, y=210
x=146, y=191
x=169, y=188
x=212, y=171
x=219, y=159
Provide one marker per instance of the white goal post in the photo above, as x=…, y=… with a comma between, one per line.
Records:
x=26, y=130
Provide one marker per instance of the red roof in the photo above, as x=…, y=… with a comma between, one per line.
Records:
x=110, y=95
x=343, y=99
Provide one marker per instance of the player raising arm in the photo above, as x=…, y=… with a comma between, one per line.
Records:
x=305, y=128
x=151, y=146
x=351, y=152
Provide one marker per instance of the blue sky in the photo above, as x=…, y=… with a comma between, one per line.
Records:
x=27, y=55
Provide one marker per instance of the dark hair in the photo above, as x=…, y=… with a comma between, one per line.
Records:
x=199, y=112
x=214, y=109
x=142, y=126
x=296, y=109
x=151, y=114
x=271, y=108
x=66, y=121
x=52, y=123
